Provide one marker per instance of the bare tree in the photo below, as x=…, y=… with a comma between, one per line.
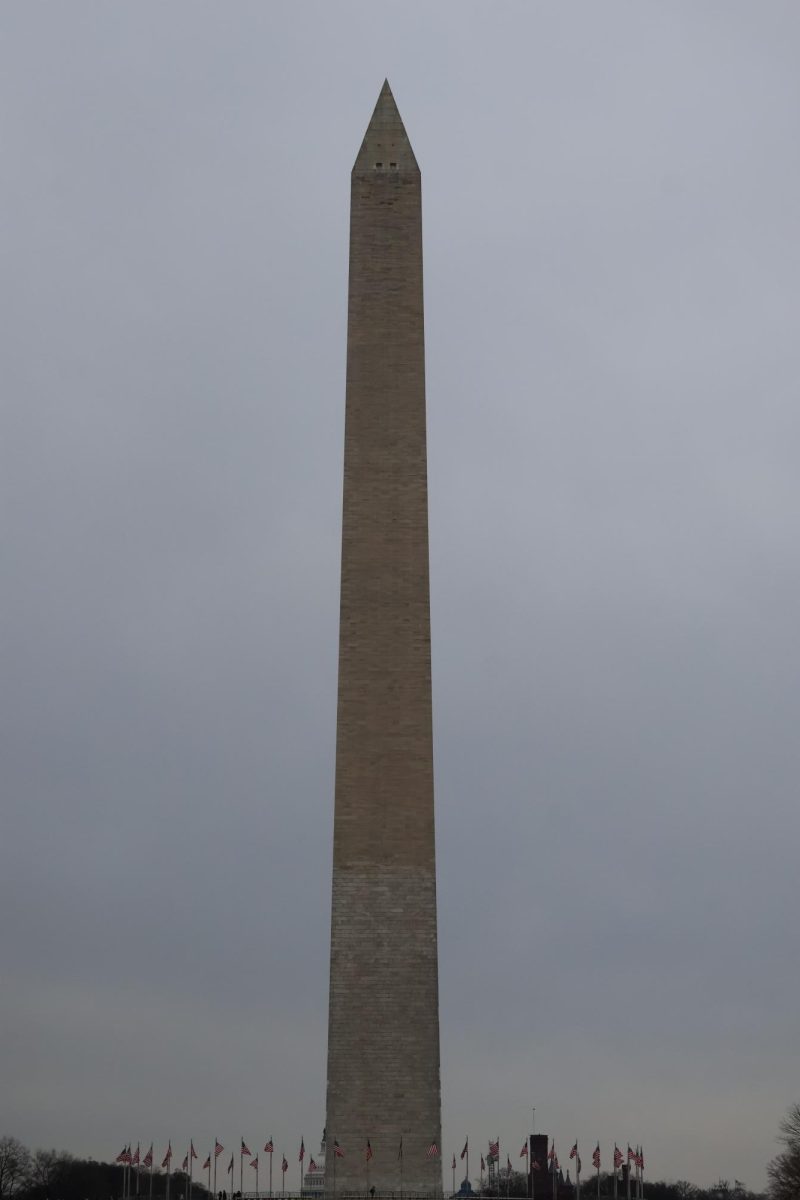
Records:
x=15, y=1163
x=46, y=1168
x=784, y=1170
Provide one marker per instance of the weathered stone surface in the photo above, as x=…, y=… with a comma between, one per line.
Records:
x=383, y=1037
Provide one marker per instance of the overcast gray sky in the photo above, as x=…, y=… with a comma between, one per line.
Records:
x=611, y=197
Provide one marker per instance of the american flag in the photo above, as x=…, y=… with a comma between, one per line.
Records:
x=185, y=1163
x=466, y=1148
x=192, y=1150
x=596, y=1157
x=123, y=1155
x=508, y=1166
x=269, y=1147
x=578, y=1165
x=218, y=1148
x=574, y=1151
x=167, y=1156
x=312, y=1166
x=368, y=1151
x=244, y=1149
x=618, y=1156
x=432, y=1151
x=641, y=1159
x=631, y=1155
x=524, y=1151
x=483, y=1164
x=302, y=1153
x=207, y=1163
x=147, y=1161
x=494, y=1148
x=552, y=1152
x=135, y=1159
x=454, y=1162
x=254, y=1163
x=338, y=1152
x=230, y=1167
x=284, y=1164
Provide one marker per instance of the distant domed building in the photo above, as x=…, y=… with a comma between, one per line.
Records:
x=314, y=1178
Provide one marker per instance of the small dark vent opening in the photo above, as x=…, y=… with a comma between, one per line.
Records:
x=393, y=165
x=379, y=164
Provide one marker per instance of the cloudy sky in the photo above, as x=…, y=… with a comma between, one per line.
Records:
x=612, y=290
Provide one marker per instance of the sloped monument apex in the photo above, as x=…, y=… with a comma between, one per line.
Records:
x=385, y=146
x=384, y=1098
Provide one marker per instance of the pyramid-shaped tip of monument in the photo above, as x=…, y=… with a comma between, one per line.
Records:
x=385, y=147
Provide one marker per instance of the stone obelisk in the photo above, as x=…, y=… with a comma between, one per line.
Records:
x=384, y=1096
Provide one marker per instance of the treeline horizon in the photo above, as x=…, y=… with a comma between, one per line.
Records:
x=40, y=1174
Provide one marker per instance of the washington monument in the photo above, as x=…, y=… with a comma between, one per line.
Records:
x=384, y=1098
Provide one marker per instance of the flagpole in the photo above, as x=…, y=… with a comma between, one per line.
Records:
x=616, y=1170
x=241, y=1166
x=216, y=1143
x=150, y=1192
x=270, y=1174
x=169, y=1170
x=467, y=1160
x=454, y=1175
x=209, y=1171
x=191, y=1152
x=401, y=1166
x=334, y=1170
x=628, y=1178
